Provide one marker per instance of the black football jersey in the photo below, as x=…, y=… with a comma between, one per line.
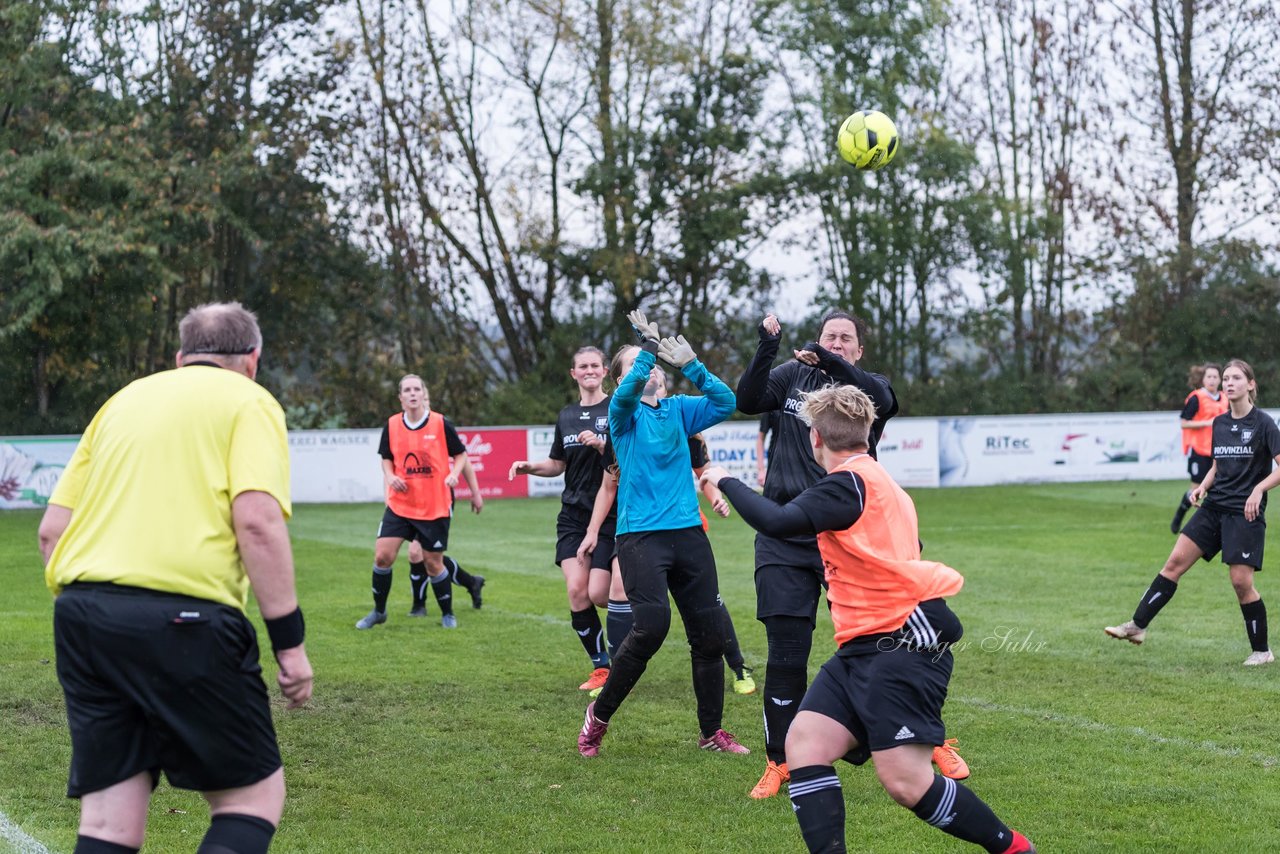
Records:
x=584, y=465
x=792, y=468
x=1243, y=451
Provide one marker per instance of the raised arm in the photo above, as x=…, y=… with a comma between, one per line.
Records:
x=876, y=387
x=718, y=400
x=624, y=402
x=755, y=394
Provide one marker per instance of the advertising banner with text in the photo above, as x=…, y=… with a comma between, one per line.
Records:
x=492, y=450
x=1079, y=447
x=342, y=466
x=908, y=450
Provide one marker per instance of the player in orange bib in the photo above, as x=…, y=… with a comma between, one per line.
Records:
x=880, y=696
x=1205, y=403
x=422, y=459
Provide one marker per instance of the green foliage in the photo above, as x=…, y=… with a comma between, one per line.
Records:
x=1153, y=336
x=126, y=197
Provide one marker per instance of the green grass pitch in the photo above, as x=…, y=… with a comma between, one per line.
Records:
x=421, y=739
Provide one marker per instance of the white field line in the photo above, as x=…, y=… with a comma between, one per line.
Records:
x=1141, y=733
x=22, y=842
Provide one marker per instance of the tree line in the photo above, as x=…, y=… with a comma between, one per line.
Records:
x=1084, y=202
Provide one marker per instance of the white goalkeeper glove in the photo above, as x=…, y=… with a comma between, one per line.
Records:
x=676, y=351
x=646, y=329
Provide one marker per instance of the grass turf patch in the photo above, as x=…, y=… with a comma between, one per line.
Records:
x=425, y=739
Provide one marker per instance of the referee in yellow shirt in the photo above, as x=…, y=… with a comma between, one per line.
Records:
x=172, y=506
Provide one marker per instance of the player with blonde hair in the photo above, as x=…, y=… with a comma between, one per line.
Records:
x=880, y=696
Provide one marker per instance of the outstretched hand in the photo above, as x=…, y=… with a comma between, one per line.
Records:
x=645, y=328
x=713, y=475
x=676, y=351
x=770, y=327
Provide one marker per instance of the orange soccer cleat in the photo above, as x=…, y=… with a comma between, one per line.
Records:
x=775, y=774
x=949, y=761
x=596, y=680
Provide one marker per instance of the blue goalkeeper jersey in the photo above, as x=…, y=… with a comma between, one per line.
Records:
x=656, y=491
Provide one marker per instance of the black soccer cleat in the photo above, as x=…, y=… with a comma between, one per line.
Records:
x=476, y=600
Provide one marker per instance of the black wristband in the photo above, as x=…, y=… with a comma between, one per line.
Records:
x=286, y=632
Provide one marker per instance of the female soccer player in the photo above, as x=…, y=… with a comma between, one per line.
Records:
x=1204, y=404
x=614, y=595
x=1232, y=498
x=880, y=696
x=789, y=571
x=660, y=542
x=422, y=459
x=575, y=453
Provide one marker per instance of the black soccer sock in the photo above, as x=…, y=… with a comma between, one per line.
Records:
x=586, y=623
x=1255, y=625
x=1156, y=597
x=732, y=651
x=418, y=584
x=953, y=809
x=618, y=624
x=1183, y=507
x=234, y=833
x=93, y=845
x=458, y=574
x=444, y=592
x=381, y=587
x=818, y=802
x=786, y=676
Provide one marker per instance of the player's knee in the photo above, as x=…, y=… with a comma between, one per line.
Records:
x=579, y=595
x=599, y=598
x=804, y=747
x=706, y=635
x=434, y=562
x=906, y=788
x=790, y=640
x=649, y=628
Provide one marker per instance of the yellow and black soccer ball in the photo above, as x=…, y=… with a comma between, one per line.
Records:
x=868, y=139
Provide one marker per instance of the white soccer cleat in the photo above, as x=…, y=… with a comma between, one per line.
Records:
x=1256, y=658
x=1127, y=631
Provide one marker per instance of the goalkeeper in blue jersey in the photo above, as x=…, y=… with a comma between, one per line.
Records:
x=660, y=544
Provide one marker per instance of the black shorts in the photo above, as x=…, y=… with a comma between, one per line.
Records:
x=571, y=527
x=159, y=682
x=679, y=562
x=1239, y=540
x=431, y=534
x=885, y=698
x=1198, y=466
x=789, y=578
